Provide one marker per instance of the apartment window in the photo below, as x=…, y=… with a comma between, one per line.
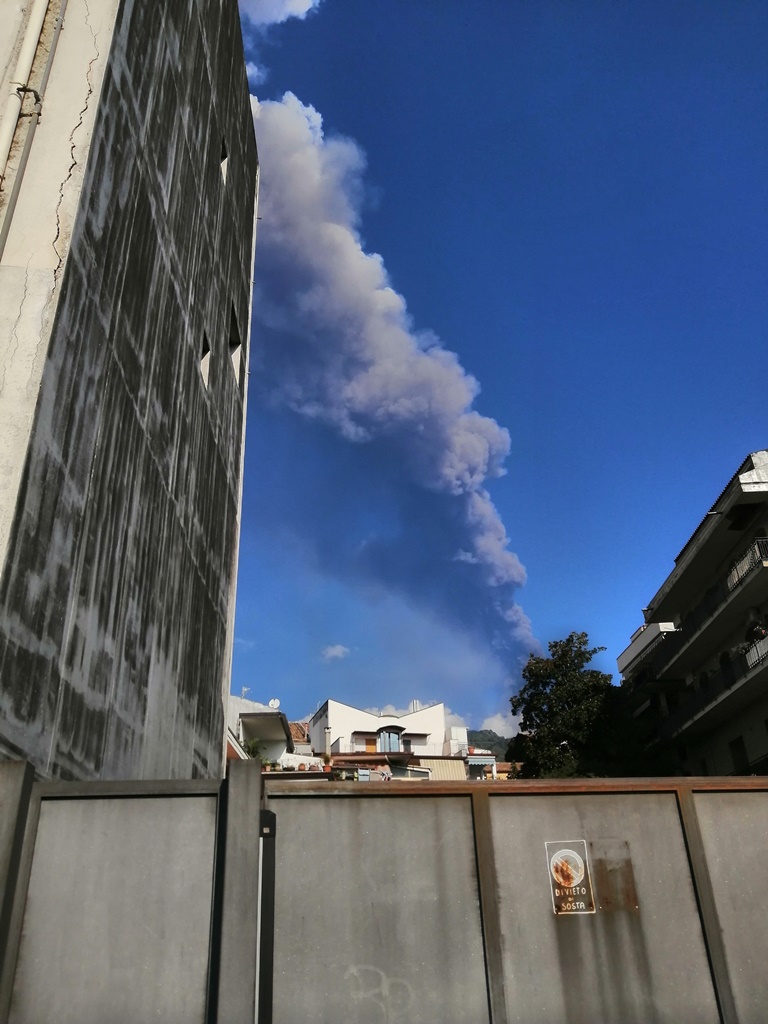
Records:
x=406, y=745
x=223, y=161
x=389, y=741
x=739, y=756
x=205, y=359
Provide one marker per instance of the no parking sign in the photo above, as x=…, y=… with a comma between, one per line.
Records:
x=569, y=877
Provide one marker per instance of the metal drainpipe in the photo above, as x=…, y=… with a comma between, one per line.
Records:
x=14, y=196
x=20, y=80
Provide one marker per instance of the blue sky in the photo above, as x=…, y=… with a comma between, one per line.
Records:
x=497, y=235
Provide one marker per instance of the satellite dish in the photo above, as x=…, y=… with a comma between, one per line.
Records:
x=274, y=703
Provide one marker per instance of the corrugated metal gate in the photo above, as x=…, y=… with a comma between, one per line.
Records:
x=400, y=903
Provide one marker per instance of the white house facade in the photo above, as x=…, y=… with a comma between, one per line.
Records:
x=337, y=728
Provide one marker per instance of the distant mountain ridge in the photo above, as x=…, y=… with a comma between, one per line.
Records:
x=488, y=740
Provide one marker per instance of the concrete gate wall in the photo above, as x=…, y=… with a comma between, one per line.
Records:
x=406, y=902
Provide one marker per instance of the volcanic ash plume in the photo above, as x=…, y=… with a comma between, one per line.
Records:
x=273, y=12
x=333, y=342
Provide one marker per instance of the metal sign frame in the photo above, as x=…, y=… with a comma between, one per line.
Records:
x=570, y=880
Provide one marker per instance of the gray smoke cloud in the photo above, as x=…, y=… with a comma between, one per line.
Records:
x=334, y=344
x=273, y=12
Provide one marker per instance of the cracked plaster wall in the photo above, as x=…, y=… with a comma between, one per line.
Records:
x=41, y=228
x=121, y=469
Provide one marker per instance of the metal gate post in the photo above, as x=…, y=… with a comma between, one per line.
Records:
x=489, y=906
x=713, y=935
x=16, y=780
x=237, y=954
x=267, y=930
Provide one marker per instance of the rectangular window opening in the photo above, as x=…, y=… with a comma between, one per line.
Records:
x=205, y=360
x=236, y=349
x=739, y=756
x=388, y=741
x=223, y=161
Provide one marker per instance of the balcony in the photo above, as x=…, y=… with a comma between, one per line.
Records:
x=743, y=571
x=643, y=642
x=728, y=678
x=343, y=746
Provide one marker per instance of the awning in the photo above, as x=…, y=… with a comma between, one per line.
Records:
x=445, y=769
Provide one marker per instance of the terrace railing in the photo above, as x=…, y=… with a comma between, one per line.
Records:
x=749, y=560
x=725, y=679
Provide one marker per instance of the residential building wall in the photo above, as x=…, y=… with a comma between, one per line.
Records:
x=129, y=256
x=32, y=263
x=713, y=754
x=262, y=724
x=700, y=684
x=237, y=706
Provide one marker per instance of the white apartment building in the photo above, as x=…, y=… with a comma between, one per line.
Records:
x=337, y=728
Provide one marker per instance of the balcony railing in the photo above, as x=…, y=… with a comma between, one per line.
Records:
x=418, y=749
x=745, y=564
x=644, y=641
x=756, y=553
x=730, y=674
x=757, y=652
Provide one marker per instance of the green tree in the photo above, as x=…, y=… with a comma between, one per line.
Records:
x=574, y=722
x=487, y=739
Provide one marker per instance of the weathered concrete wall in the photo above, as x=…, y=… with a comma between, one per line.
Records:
x=32, y=263
x=116, y=596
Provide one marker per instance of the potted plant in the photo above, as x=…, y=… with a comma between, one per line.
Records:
x=289, y=768
x=302, y=767
x=326, y=762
